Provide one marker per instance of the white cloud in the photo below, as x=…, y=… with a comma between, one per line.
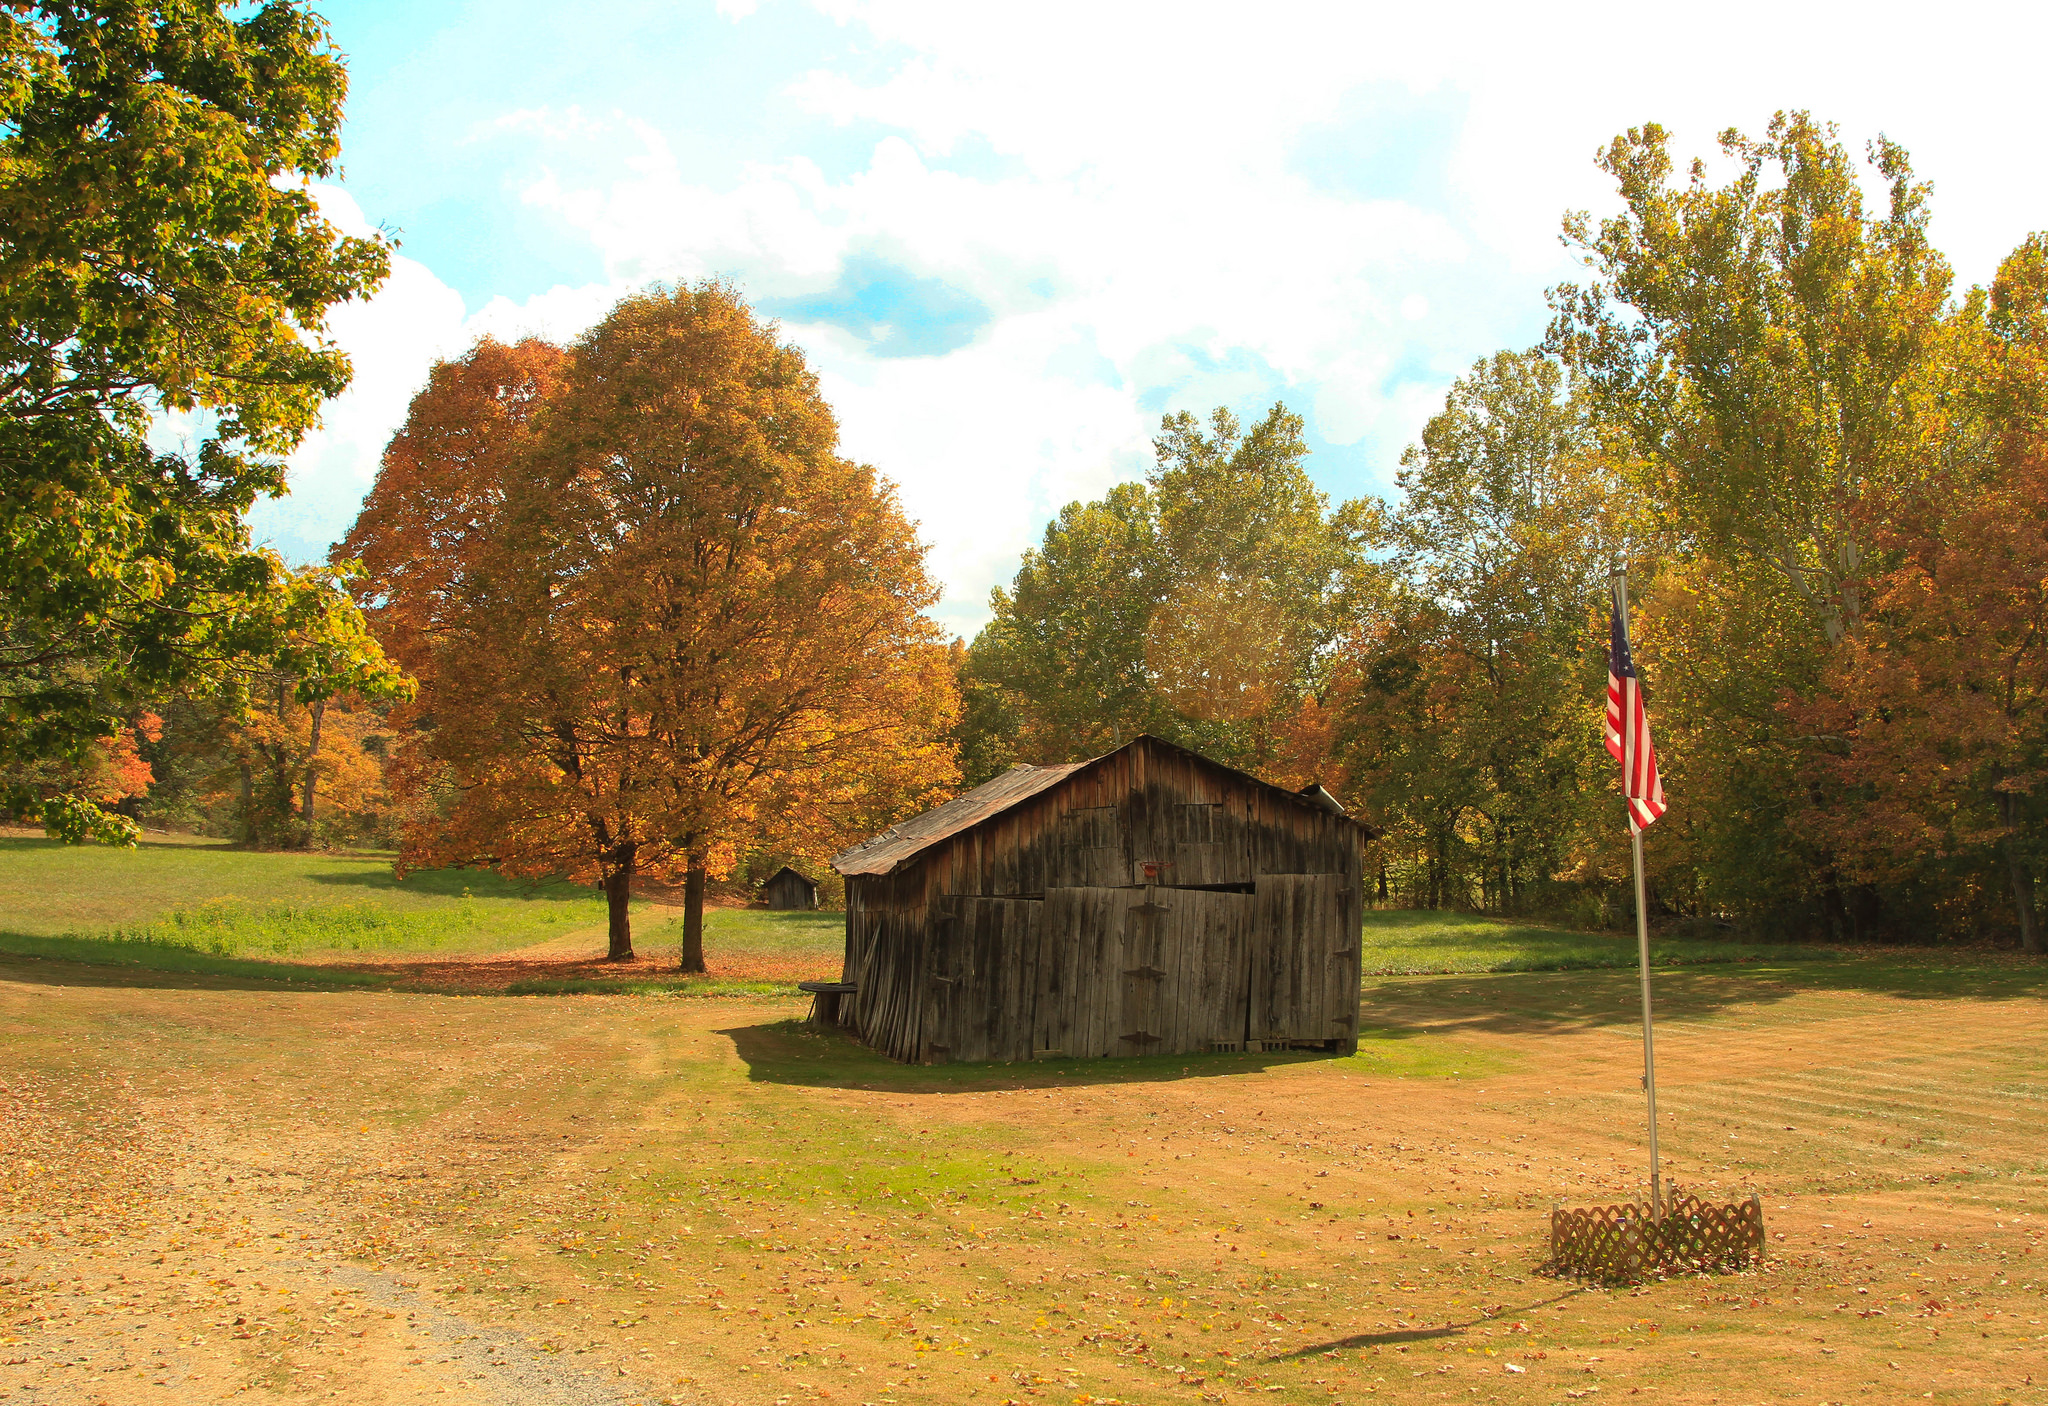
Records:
x=1125, y=189
x=392, y=341
x=1217, y=297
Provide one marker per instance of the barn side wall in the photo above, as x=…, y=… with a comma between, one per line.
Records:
x=1034, y=932
x=888, y=957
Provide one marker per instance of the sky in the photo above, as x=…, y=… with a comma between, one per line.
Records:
x=1010, y=238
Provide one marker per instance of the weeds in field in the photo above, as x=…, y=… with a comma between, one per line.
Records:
x=235, y=927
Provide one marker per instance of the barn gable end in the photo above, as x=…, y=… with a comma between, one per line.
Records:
x=788, y=890
x=1147, y=902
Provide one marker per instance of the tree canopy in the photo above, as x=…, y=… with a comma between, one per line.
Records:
x=1821, y=465
x=162, y=255
x=656, y=616
x=1198, y=605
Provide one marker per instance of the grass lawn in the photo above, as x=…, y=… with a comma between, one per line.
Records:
x=778, y=948
x=198, y=906
x=1413, y=943
x=201, y=906
x=228, y=1185
x=411, y=1197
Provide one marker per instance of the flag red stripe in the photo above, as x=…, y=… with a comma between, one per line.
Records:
x=1628, y=740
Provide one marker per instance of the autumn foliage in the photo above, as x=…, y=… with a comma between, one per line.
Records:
x=1825, y=469
x=1931, y=734
x=656, y=616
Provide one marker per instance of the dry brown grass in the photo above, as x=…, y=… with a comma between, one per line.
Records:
x=709, y=1204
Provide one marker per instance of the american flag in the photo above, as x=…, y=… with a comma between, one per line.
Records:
x=1628, y=728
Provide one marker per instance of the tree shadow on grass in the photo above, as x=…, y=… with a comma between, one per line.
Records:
x=799, y=1053
x=46, y=961
x=101, y=962
x=1534, y=1003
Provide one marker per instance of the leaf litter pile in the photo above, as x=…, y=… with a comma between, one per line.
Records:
x=212, y=1190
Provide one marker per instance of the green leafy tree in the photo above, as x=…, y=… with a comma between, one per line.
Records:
x=162, y=253
x=1775, y=349
x=1467, y=723
x=1784, y=359
x=1060, y=669
x=1199, y=605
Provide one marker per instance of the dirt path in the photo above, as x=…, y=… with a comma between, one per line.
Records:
x=204, y=1228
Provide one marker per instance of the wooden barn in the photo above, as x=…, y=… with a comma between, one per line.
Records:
x=785, y=888
x=1150, y=901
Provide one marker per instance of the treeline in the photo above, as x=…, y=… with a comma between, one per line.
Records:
x=620, y=609
x=1821, y=464
x=615, y=610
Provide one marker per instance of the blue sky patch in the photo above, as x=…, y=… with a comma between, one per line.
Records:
x=892, y=309
x=1386, y=143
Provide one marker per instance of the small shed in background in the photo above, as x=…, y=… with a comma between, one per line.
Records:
x=1149, y=901
x=787, y=889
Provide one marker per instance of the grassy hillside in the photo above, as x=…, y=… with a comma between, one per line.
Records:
x=94, y=904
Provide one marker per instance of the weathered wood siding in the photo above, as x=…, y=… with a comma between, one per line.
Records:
x=1035, y=931
x=888, y=955
x=1304, y=965
x=984, y=962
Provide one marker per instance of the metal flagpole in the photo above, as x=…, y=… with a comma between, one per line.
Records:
x=1635, y=834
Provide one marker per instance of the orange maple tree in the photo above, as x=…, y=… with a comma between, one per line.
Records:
x=430, y=521
x=1931, y=732
x=678, y=621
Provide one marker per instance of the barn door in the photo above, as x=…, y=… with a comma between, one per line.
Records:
x=982, y=979
x=1304, y=960
x=1147, y=976
x=1123, y=973
x=1081, y=945
x=1208, y=957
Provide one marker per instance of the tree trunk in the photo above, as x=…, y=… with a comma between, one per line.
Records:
x=2023, y=900
x=2022, y=881
x=693, y=915
x=1833, y=907
x=618, y=897
x=248, y=805
x=319, y=710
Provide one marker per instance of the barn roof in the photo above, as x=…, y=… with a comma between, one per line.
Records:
x=883, y=852
x=793, y=873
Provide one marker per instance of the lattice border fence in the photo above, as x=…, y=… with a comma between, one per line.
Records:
x=1626, y=1243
